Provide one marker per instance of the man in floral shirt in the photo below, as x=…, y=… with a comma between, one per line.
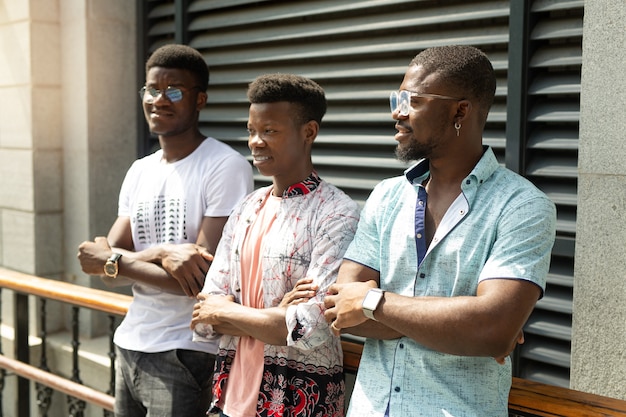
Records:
x=297, y=228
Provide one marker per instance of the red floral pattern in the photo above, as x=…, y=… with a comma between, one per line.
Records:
x=289, y=388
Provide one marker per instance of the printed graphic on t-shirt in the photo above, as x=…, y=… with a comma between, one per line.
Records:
x=161, y=220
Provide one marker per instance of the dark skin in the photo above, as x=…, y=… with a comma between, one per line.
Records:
x=488, y=324
x=174, y=268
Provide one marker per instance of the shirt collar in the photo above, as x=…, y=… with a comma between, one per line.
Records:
x=307, y=186
x=486, y=166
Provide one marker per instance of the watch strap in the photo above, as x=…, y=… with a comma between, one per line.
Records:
x=369, y=314
x=115, y=257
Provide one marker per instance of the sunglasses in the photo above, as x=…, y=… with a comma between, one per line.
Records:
x=400, y=101
x=149, y=94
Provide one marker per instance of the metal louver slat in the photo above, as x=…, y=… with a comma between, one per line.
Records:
x=548, y=361
x=161, y=18
x=556, y=326
x=358, y=51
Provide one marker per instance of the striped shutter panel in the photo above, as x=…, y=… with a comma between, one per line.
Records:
x=358, y=51
x=549, y=159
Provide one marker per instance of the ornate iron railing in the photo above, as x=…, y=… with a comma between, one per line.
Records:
x=23, y=286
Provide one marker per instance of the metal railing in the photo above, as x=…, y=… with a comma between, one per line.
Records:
x=23, y=286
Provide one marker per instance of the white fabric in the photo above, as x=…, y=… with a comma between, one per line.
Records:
x=166, y=203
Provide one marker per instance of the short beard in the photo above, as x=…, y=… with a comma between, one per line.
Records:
x=412, y=152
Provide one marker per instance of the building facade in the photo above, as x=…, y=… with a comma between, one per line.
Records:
x=71, y=124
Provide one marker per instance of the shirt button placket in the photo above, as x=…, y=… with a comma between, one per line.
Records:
x=397, y=379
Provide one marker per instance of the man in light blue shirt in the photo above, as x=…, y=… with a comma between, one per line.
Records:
x=449, y=260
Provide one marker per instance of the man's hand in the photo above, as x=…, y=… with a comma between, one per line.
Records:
x=188, y=263
x=344, y=304
x=208, y=308
x=303, y=291
x=93, y=255
x=518, y=340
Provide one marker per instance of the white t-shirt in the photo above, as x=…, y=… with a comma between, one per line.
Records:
x=166, y=204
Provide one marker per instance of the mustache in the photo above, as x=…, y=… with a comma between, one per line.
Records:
x=402, y=127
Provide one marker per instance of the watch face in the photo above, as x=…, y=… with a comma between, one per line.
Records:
x=372, y=298
x=110, y=269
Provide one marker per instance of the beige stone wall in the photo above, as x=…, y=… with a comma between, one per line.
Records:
x=67, y=127
x=599, y=327
x=68, y=115
x=99, y=117
x=30, y=137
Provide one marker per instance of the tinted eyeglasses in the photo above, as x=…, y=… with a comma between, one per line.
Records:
x=173, y=94
x=401, y=100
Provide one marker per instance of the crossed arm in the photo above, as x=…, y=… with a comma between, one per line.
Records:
x=487, y=324
x=267, y=324
x=175, y=268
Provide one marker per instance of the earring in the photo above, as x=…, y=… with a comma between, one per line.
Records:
x=457, y=126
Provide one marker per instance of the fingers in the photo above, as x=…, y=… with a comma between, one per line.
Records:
x=333, y=290
x=519, y=340
x=190, y=276
x=336, y=330
x=93, y=254
x=184, y=285
x=197, y=277
x=305, y=288
x=330, y=315
x=205, y=254
x=329, y=300
x=302, y=292
x=295, y=297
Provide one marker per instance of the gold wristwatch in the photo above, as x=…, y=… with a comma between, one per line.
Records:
x=111, y=267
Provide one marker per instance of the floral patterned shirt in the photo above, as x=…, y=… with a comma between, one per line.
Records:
x=313, y=228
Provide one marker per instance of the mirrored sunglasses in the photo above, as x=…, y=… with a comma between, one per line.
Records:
x=400, y=101
x=149, y=94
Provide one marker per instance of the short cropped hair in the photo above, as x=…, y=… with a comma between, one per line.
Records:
x=184, y=57
x=306, y=93
x=466, y=68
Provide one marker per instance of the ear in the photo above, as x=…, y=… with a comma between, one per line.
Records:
x=201, y=100
x=311, y=129
x=463, y=111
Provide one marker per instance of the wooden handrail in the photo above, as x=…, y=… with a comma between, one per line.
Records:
x=549, y=401
x=533, y=398
x=351, y=355
x=529, y=397
x=78, y=295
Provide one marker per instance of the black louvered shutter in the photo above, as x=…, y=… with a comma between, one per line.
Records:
x=549, y=157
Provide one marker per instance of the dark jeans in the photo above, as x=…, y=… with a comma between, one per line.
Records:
x=163, y=384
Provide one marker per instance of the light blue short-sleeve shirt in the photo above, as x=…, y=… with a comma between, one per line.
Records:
x=500, y=226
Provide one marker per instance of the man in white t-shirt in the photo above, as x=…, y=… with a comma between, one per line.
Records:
x=173, y=205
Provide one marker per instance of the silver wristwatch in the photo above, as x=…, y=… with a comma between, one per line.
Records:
x=371, y=301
